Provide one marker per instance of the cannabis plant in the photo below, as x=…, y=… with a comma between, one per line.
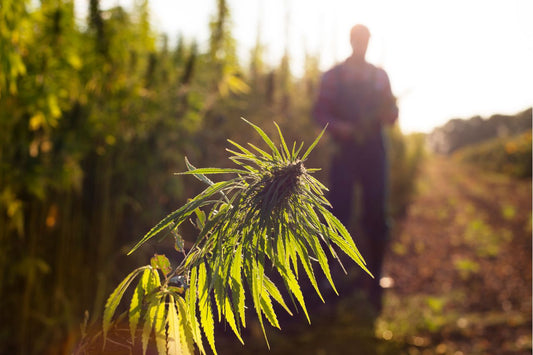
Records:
x=271, y=215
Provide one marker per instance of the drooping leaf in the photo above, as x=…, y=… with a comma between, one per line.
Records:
x=159, y=328
x=187, y=344
x=173, y=330
x=191, y=302
x=149, y=321
x=136, y=302
x=115, y=297
x=237, y=285
x=273, y=291
x=204, y=306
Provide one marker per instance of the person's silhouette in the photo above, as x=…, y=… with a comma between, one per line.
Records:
x=355, y=99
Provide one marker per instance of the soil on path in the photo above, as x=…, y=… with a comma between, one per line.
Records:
x=461, y=264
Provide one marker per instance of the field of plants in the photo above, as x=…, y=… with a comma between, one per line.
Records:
x=96, y=116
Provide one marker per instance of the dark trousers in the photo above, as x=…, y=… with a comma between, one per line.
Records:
x=367, y=166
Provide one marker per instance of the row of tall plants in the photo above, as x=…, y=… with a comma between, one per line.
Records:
x=95, y=117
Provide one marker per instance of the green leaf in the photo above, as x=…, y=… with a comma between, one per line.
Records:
x=273, y=291
x=204, y=171
x=237, y=286
x=344, y=240
x=268, y=310
x=306, y=263
x=261, y=151
x=136, y=302
x=115, y=297
x=191, y=302
x=312, y=146
x=263, y=135
x=162, y=263
x=322, y=260
x=185, y=328
x=159, y=328
x=230, y=318
x=149, y=321
x=200, y=218
x=173, y=330
x=293, y=286
x=283, y=143
x=178, y=216
x=204, y=306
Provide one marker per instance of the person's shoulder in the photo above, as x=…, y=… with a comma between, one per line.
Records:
x=331, y=76
x=379, y=73
x=333, y=70
x=375, y=68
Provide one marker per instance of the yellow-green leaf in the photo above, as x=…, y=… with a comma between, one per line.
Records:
x=159, y=328
x=173, y=330
x=136, y=302
x=114, y=299
x=186, y=334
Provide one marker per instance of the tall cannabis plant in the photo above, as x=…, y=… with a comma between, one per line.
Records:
x=272, y=214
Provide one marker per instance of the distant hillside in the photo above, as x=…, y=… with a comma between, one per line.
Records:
x=458, y=133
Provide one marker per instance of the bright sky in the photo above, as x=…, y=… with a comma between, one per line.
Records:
x=445, y=59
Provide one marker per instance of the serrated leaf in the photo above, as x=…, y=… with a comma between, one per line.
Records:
x=230, y=318
x=306, y=263
x=344, y=240
x=191, y=302
x=149, y=320
x=187, y=338
x=268, y=310
x=161, y=262
x=136, y=302
x=255, y=278
x=114, y=299
x=178, y=216
x=322, y=260
x=204, y=306
x=292, y=285
x=173, y=330
x=159, y=328
x=273, y=291
x=237, y=286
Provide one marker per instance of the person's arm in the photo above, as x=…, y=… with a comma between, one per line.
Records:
x=324, y=109
x=388, y=109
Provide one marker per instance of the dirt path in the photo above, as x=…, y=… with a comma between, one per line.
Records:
x=461, y=265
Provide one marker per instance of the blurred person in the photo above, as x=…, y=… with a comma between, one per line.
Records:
x=356, y=101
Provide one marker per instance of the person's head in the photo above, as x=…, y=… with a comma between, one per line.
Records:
x=359, y=36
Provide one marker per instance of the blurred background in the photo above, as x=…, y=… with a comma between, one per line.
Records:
x=100, y=101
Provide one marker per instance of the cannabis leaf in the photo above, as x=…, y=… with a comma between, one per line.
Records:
x=272, y=214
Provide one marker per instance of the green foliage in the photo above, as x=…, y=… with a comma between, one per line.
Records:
x=272, y=215
x=510, y=156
